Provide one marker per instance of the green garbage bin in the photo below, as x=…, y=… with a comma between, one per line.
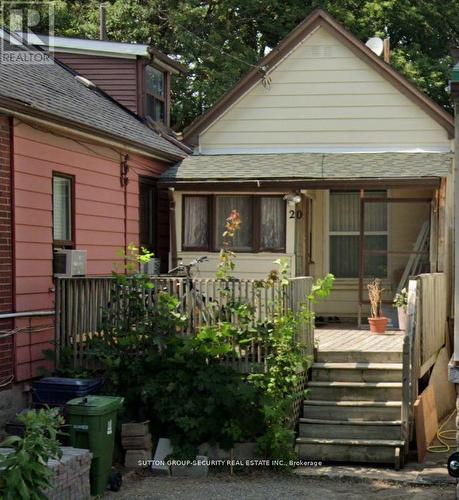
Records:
x=92, y=425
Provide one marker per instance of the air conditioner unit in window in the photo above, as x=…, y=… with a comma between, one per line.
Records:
x=68, y=263
x=152, y=267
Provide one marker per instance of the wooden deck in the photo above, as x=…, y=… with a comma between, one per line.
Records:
x=345, y=338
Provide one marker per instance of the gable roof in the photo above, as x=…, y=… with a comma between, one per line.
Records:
x=51, y=91
x=292, y=40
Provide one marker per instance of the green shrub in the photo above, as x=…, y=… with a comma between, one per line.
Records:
x=23, y=472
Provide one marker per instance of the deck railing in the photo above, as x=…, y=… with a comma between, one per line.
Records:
x=80, y=303
x=425, y=335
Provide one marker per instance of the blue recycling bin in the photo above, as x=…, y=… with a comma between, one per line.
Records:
x=56, y=391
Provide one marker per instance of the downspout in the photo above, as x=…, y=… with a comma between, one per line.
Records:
x=124, y=181
x=173, y=229
x=13, y=241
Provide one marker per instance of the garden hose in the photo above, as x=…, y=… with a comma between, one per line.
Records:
x=443, y=437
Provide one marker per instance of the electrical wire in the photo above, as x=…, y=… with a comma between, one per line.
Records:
x=443, y=436
x=205, y=42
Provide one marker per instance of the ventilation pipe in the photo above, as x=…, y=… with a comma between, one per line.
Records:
x=102, y=22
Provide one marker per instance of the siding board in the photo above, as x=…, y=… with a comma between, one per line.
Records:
x=116, y=76
x=99, y=217
x=321, y=97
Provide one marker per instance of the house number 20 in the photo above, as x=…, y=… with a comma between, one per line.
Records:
x=295, y=214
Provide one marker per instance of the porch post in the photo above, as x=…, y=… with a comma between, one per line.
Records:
x=453, y=374
x=456, y=232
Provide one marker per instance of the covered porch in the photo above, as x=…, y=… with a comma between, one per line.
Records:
x=355, y=215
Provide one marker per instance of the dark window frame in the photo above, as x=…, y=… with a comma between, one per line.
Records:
x=212, y=224
x=384, y=194
x=164, y=98
x=64, y=243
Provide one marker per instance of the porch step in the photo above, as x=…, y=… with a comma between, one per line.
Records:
x=359, y=356
x=350, y=429
x=370, y=411
x=357, y=372
x=356, y=391
x=350, y=450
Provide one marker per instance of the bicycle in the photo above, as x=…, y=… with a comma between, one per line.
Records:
x=192, y=301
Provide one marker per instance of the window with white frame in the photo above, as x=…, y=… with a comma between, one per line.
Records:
x=344, y=233
x=63, y=207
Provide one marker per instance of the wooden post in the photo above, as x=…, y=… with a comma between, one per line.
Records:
x=456, y=237
x=57, y=323
x=409, y=375
x=361, y=254
x=173, y=229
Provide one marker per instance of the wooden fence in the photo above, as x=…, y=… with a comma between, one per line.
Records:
x=80, y=303
x=424, y=337
x=431, y=319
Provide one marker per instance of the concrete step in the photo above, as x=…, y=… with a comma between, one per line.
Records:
x=359, y=356
x=357, y=372
x=352, y=410
x=351, y=450
x=349, y=429
x=356, y=391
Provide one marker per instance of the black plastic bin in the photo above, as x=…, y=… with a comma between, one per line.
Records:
x=56, y=391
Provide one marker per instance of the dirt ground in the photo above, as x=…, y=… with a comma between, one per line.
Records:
x=268, y=485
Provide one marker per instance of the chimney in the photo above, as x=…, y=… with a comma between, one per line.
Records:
x=102, y=22
x=386, y=50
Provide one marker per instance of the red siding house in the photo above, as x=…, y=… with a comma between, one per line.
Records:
x=78, y=170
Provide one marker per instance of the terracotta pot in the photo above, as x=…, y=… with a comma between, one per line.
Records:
x=378, y=325
x=401, y=311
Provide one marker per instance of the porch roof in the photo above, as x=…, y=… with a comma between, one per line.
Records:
x=307, y=166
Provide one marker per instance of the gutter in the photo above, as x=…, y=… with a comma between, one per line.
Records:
x=28, y=114
x=289, y=183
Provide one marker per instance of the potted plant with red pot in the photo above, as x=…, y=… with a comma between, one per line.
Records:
x=378, y=322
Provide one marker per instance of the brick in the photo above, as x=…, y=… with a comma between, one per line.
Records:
x=136, y=442
x=135, y=429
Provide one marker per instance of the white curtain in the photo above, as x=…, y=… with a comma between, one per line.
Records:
x=272, y=235
x=62, y=208
x=196, y=230
x=243, y=204
x=344, y=248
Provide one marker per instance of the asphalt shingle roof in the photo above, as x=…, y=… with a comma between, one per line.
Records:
x=52, y=89
x=309, y=166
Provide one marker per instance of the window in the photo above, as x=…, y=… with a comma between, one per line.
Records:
x=155, y=94
x=195, y=222
x=147, y=214
x=262, y=228
x=63, y=206
x=243, y=239
x=344, y=230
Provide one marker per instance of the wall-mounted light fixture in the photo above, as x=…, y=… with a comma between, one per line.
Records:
x=293, y=198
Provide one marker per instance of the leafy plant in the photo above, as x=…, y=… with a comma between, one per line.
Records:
x=195, y=402
x=23, y=472
x=401, y=299
x=137, y=326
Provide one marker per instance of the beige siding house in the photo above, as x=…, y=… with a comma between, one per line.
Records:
x=334, y=162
